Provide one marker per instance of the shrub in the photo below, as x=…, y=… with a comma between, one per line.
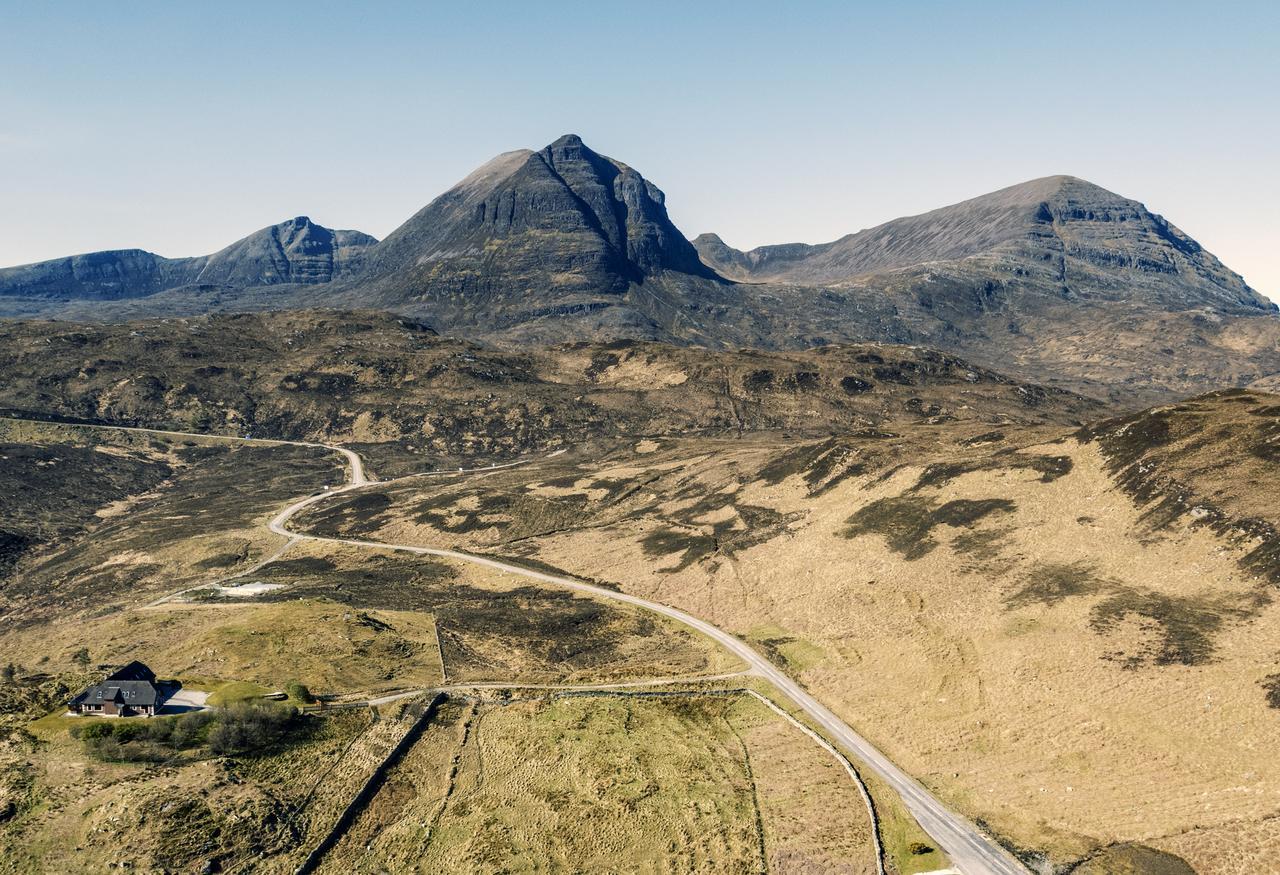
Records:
x=155, y=740
x=251, y=726
x=919, y=848
x=299, y=692
x=191, y=729
x=93, y=730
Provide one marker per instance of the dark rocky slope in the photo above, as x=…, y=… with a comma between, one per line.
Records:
x=535, y=235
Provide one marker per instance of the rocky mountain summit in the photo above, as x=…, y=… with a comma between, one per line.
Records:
x=530, y=235
x=295, y=251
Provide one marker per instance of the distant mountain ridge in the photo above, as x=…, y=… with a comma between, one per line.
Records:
x=295, y=251
x=1080, y=230
x=1056, y=280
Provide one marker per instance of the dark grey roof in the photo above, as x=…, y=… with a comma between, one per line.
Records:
x=134, y=671
x=136, y=693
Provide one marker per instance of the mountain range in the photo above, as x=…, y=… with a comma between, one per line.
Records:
x=1055, y=279
x=294, y=251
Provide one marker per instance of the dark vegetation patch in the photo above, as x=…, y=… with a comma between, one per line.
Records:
x=922, y=407
x=758, y=381
x=318, y=382
x=1127, y=439
x=692, y=547
x=302, y=565
x=220, y=561
x=987, y=437
x=249, y=483
x=568, y=481
x=1052, y=582
x=773, y=648
x=616, y=488
x=802, y=381
x=244, y=728
x=52, y=491
x=1049, y=468
x=12, y=547
x=505, y=513
x=1030, y=395
x=1181, y=629
x=907, y=522
x=378, y=581
x=1131, y=859
x=536, y=626
x=510, y=516
x=1271, y=687
x=855, y=385
x=533, y=564
x=1198, y=463
x=823, y=466
x=1267, y=451
x=981, y=544
x=360, y=513
x=1184, y=628
x=902, y=373
x=600, y=362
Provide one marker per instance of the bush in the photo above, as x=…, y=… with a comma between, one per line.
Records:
x=299, y=692
x=154, y=740
x=251, y=726
x=919, y=848
x=93, y=731
x=190, y=730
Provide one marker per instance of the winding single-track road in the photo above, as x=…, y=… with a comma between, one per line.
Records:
x=970, y=850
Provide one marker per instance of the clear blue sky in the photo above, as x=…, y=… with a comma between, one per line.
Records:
x=179, y=127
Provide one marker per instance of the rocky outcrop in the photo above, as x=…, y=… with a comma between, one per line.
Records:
x=296, y=251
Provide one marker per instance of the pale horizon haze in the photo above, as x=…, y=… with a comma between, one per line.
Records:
x=179, y=129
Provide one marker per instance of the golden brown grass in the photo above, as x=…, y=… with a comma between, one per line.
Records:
x=1052, y=666
x=606, y=784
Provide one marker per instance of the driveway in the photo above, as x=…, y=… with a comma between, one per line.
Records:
x=184, y=701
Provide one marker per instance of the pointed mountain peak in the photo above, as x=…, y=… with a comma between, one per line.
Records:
x=489, y=234
x=566, y=140
x=570, y=148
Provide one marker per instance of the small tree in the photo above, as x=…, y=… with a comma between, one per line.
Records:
x=8, y=673
x=299, y=693
x=81, y=657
